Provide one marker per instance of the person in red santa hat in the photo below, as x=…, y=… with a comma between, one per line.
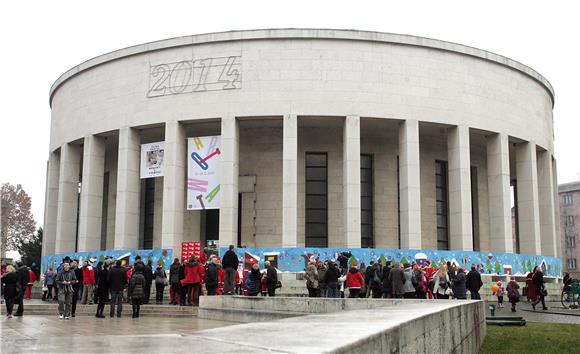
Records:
x=354, y=281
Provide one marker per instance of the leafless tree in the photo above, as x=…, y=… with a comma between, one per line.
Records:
x=16, y=221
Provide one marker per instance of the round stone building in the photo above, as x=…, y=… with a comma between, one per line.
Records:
x=301, y=138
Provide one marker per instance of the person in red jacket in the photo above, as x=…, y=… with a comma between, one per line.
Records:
x=88, y=282
x=191, y=283
x=354, y=282
x=221, y=279
x=31, y=280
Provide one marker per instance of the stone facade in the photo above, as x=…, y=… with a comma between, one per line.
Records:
x=569, y=203
x=275, y=95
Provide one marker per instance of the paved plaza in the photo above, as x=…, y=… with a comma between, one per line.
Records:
x=48, y=334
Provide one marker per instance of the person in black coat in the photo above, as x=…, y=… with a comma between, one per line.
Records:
x=459, y=287
x=148, y=274
x=211, y=276
x=136, y=289
x=102, y=290
x=174, y=278
x=271, y=278
x=473, y=283
x=387, y=285
x=76, y=286
x=230, y=264
x=331, y=279
x=23, y=278
x=255, y=280
x=9, y=286
x=538, y=281
x=117, y=277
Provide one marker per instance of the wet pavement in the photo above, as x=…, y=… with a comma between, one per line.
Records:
x=48, y=334
x=555, y=313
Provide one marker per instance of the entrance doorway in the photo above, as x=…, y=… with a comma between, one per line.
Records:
x=212, y=226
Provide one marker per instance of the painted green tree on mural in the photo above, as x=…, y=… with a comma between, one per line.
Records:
x=352, y=261
x=530, y=266
x=497, y=267
x=404, y=260
x=489, y=266
x=383, y=259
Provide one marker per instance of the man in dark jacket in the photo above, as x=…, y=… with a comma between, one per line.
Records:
x=473, y=283
x=148, y=274
x=174, y=290
x=23, y=278
x=331, y=278
x=321, y=278
x=76, y=286
x=397, y=277
x=211, y=276
x=117, y=281
x=136, y=288
x=387, y=286
x=271, y=278
x=65, y=280
x=459, y=285
x=230, y=264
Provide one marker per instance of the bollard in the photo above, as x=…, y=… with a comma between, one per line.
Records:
x=492, y=309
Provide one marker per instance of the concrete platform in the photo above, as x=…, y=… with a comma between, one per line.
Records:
x=347, y=325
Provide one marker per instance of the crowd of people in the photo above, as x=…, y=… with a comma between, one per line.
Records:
x=114, y=282
x=334, y=278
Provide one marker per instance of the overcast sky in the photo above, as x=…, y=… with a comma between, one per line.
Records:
x=43, y=39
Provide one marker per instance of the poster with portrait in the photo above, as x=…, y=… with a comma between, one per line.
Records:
x=152, y=159
x=203, y=172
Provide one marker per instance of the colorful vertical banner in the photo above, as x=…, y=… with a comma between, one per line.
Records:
x=152, y=156
x=203, y=172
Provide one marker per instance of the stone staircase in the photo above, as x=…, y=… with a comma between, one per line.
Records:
x=40, y=308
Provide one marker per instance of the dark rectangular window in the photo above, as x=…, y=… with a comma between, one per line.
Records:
x=366, y=201
x=398, y=203
x=474, y=209
x=316, y=231
x=442, y=210
x=149, y=213
x=105, y=211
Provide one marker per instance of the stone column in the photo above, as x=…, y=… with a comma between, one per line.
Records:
x=229, y=171
x=173, y=187
x=528, y=203
x=351, y=182
x=290, y=182
x=498, y=185
x=51, y=204
x=546, y=204
x=410, y=184
x=128, y=190
x=458, y=154
x=91, y=204
x=67, y=208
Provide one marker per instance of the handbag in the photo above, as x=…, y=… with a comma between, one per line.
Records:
x=278, y=285
x=543, y=291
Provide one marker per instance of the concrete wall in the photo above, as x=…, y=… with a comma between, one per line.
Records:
x=373, y=76
x=349, y=325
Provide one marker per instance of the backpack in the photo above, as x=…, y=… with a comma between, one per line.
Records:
x=376, y=278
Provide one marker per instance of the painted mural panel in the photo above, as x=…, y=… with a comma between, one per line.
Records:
x=294, y=259
x=163, y=257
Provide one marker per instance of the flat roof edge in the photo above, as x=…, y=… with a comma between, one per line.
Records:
x=290, y=33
